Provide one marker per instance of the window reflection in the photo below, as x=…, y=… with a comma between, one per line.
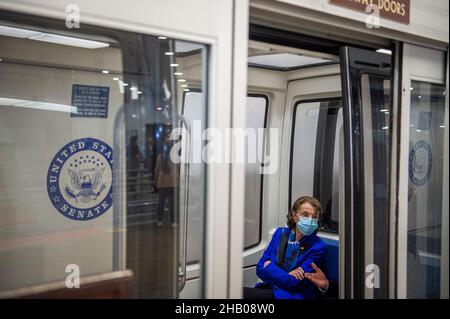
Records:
x=426, y=150
x=125, y=94
x=315, y=163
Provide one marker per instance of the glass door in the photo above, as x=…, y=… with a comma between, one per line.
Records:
x=165, y=190
x=366, y=87
x=423, y=208
x=91, y=171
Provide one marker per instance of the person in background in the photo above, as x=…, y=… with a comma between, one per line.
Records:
x=166, y=181
x=134, y=159
x=150, y=160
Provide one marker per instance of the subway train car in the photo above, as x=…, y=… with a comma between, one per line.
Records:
x=149, y=149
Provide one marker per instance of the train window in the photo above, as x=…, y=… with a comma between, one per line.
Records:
x=70, y=101
x=257, y=106
x=256, y=119
x=315, y=156
x=426, y=152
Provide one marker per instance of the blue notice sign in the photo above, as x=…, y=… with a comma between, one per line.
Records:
x=90, y=101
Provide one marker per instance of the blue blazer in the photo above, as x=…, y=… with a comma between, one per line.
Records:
x=285, y=286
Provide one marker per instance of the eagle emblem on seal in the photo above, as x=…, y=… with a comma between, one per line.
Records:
x=86, y=184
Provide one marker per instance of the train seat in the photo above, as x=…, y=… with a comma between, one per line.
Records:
x=332, y=266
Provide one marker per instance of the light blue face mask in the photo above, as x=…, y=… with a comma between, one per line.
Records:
x=307, y=225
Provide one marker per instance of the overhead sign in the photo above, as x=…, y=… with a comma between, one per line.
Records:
x=90, y=101
x=395, y=10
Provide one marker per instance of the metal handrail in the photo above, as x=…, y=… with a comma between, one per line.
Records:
x=183, y=259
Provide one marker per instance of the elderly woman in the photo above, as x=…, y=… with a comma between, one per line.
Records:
x=290, y=254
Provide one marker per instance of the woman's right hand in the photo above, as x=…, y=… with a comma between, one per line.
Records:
x=298, y=273
x=318, y=278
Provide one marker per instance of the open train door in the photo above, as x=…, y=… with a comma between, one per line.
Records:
x=366, y=91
